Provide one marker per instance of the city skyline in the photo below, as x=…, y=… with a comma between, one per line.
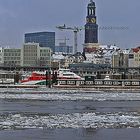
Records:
x=22, y=16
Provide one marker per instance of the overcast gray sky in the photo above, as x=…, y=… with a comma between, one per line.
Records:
x=21, y=16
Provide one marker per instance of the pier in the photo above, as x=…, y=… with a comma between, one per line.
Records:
x=101, y=84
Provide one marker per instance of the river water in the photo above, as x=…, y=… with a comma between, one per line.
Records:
x=43, y=114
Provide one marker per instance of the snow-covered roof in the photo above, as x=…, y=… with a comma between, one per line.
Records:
x=109, y=53
x=90, y=54
x=109, y=47
x=58, y=56
x=126, y=51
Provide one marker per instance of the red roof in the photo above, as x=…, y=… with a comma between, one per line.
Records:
x=136, y=49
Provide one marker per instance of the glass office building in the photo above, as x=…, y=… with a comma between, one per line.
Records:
x=63, y=48
x=45, y=39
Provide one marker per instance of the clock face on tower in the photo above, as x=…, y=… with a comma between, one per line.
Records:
x=91, y=20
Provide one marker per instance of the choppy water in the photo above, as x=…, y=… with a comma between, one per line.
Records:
x=61, y=114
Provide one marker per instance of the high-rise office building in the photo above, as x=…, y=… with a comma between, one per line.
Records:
x=91, y=28
x=64, y=48
x=45, y=39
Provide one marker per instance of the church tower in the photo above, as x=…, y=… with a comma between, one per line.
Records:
x=91, y=28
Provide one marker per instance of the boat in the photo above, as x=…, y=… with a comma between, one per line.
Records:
x=40, y=77
x=107, y=77
x=67, y=74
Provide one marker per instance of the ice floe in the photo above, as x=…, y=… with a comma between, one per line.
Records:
x=65, y=96
x=75, y=120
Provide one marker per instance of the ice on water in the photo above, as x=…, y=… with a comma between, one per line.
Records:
x=75, y=120
x=55, y=94
x=19, y=120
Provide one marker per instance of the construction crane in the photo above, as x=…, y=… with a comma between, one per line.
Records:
x=75, y=30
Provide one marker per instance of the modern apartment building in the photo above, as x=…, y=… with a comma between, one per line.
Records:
x=12, y=56
x=45, y=56
x=34, y=55
x=30, y=54
x=45, y=39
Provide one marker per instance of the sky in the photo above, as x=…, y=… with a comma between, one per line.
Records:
x=18, y=17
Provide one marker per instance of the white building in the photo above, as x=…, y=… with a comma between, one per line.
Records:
x=108, y=51
x=75, y=58
x=64, y=60
x=101, y=55
x=94, y=58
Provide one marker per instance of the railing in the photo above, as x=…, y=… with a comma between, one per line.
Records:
x=100, y=82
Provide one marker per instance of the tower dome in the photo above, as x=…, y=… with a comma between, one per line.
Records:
x=91, y=4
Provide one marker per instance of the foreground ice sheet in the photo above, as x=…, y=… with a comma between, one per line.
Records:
x=75, y=120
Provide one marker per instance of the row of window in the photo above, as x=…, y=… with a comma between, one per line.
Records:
x=25, y=51
x=30, y=47
x=12, y=62
x=12, y=50
x=12, y=58
x=44, y=58
x=44, y=51
x=45, y=54
x=137, y=55
x=30, y=58
x=12, y=54
x=137, y=59
x=30, y=54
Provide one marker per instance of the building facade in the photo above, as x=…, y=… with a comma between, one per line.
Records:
x=89, y=69
x=120, y=59
x=34, y=55
x=73, y=59
x=30, y=54
x=45, y=39
x=12, y=56
x=95, y=58
x=64, y=49
x=134, y=57
x=100, y=54
x=45, y=56
x=108, y=51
